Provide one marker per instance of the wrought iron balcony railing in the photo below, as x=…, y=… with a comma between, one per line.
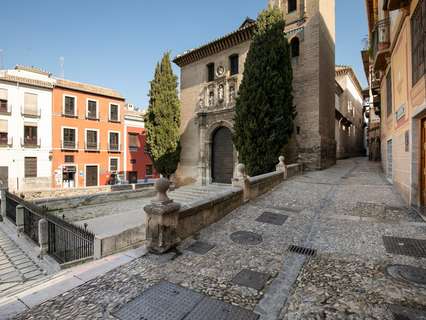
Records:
x=91, y=146
x=30, y=142
x=69, y=145
x=6, y=142
x=381, y=43
x=114, y=147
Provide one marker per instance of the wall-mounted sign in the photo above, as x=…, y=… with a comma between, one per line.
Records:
x=400, y=112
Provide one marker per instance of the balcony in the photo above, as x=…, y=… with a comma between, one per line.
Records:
x=30, y=113
x=6, y=142
x=395, y=4
x=113, y=147
x=92, y=117
x=68, y=145
x=69, y=114
x=381, y=44
x=30, y=142
x=91, y=146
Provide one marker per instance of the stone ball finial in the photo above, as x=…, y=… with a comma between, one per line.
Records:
x=162, y=185
x=281, y=159
x=241, y=170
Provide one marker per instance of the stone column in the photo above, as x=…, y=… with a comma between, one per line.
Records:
x=281, y=167
x=202, y=161
x=300, y=162
x=2, y=202
x=43, y=236
x=241, y=180
x=162, y=220
x=19, y=218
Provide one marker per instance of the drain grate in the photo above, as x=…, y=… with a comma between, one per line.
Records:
x=272, y=218
x=302, y=250
x=246, y=238
x=251, y=279
x=167, y=301
x=200, y=247
x=405, y=246
x=413, y=275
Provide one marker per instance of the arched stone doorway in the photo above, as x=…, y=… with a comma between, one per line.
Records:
x=222, y=156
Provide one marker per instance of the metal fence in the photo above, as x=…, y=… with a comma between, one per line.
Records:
x=66, y=242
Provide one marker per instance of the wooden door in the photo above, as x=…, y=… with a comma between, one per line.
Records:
x=222, y=156
x=423, y=167
x=91, y=176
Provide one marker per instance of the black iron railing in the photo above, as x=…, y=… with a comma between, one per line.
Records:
x=66, y=242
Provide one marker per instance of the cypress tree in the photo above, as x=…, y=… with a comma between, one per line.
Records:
x=264, y=110
x=163, y=119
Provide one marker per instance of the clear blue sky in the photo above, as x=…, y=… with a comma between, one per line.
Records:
x=117, y=43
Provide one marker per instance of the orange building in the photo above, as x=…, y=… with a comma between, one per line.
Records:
x=87, y=135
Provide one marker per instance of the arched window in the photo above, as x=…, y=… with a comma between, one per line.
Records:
x=292, y=5
x=295, y=47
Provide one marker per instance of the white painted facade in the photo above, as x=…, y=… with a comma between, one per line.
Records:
x=15, y=85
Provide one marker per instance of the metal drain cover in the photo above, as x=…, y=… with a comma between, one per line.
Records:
x=167, y=301
x=246, y=238
x=200, y=247
x=403, y=313
x=251, y=279
x=413, y=275
x=272, y=218
x=405, y=246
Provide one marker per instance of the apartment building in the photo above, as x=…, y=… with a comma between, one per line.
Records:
x=138, y=166
x=87, y=131
x=395, y=66
x=26, y=128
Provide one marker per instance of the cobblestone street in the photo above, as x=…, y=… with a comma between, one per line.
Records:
x=343, y=213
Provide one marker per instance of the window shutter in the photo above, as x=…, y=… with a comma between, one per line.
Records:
x=134, y=141
x=30, y=167
x=3, y=94
x=30, y=103
x=3, y=126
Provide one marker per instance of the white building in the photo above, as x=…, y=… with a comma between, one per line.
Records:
x=26, y=128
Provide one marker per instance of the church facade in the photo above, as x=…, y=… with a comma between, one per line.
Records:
x=212, y=73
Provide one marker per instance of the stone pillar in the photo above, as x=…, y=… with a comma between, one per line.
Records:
x=281, y=167
x=300, y=162
x=162, y=220
x=19, y=218
x=43, y=236
x=202, y=161
x=241, y=180
x=2, y=202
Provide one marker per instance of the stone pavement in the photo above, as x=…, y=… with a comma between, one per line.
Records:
x=16, y=267
x=342, y=212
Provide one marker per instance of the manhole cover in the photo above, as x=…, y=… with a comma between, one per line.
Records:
x=414, y=275
x=162, y=301
x=405, y=246
x=251, y=279
x=246, y=237
x=403, y=313
x=272, y=218
x=200, y=247
x=209, y=309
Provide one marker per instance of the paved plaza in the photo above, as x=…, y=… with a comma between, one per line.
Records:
x=346, y=214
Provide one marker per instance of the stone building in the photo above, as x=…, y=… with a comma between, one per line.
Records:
x=212, y=73
x=349, y=122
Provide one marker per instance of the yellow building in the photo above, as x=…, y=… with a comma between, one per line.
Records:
x=395, y=66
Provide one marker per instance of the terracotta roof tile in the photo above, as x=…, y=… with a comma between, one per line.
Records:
x=79, y=86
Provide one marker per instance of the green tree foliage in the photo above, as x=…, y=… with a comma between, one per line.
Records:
x=163, y=119
x=264, y=111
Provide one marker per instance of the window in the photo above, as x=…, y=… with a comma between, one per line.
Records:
x=134, y=141
x=292, y=5
x=92, y=110
x=210, y=72
x=295, y=47
x=69, y=106
x=114, y=144
x=69, y=136
x=148, y=170
x=30, y=104
x=114, y=113
x=389, y=92
x=113, y=164
x=3, y=133
x=69, y=159
x=3, y=100
x=91, y=140
x=30, y=134
x=233, y=63
x=418, y=28
x=133, y=161
x=30, y=167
